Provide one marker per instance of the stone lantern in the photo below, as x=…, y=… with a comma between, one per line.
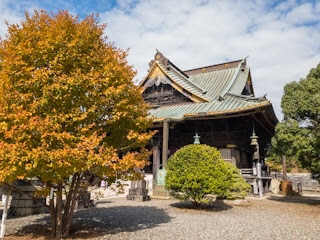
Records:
x=196, y=139
x=256, y=157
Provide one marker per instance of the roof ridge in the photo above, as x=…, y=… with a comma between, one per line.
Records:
x=199, y=68
x=179, y=70
x=248, y=97
x=186, y=78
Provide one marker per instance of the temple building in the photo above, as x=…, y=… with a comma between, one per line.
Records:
x=215, y=105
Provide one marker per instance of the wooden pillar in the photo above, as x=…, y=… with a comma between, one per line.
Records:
x=156, y=162
x=165, y=142
x=284, y=164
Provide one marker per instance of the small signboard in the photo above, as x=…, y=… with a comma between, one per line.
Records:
x=161, y=176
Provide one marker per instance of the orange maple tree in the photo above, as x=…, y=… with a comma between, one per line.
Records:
x=68, y=106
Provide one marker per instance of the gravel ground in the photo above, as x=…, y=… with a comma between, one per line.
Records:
x=274, y=217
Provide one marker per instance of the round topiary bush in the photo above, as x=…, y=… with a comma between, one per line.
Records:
x=196, y=172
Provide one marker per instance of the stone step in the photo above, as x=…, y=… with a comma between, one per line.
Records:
x=161, y=193
x=159, y=187
x=161, y=197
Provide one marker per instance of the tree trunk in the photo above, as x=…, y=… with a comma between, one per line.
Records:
x=69, y=199
x=284, y=165
x=52, y=216
x=73, y=199
x=61, y=215
x=59, y=208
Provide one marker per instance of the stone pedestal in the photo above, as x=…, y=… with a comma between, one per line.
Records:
x=138, y=191
x=160, y=192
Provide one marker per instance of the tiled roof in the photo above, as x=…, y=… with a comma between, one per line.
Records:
x=230, y=104
x=174, y=74
x=216, y=81
x=240, y=81
x=219, y=86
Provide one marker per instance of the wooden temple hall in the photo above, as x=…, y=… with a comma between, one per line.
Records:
x=214, y=105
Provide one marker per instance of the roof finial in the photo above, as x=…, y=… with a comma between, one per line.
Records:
x=158, y=55
x=162, y=59
x=244, y=61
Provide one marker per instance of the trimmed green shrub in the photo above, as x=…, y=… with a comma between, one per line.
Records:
x=197, y=173
x=239, y=188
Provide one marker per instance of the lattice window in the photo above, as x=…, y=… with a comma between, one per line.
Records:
x=225, y=153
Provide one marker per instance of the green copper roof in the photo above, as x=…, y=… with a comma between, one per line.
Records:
x=215, y=81
x=229, y=104
x=240, y=81
x=174, y=74
x=219, y=87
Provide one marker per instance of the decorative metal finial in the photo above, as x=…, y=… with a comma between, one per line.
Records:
x=196, y=139
x=254, y=139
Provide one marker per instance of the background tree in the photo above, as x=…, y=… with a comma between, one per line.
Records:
x=195, y=172
x=275, y=162
x=67, y=107
x=299, y=134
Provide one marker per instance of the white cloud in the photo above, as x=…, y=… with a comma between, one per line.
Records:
x=9, y=15
x=13, y=12
x=282, y=41
x=303, y=14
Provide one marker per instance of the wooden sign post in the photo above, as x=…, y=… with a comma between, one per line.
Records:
x=4, y=215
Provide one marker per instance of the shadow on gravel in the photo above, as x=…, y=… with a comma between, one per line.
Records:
x=95, y=222
x=216, y=206
x=296, y=199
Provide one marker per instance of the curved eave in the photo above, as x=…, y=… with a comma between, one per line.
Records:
x=269, y=119
x=221, y=114
x=146, y=77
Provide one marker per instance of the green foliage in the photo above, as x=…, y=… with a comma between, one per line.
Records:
x=67, y=102
x=299, y=134
x=68, y=106
x=239, y=188
x=274, y=161
x=196, y=172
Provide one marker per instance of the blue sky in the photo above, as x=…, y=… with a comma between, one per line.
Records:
x=282, y=38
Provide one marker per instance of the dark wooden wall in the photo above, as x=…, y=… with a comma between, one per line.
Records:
x=221, y=133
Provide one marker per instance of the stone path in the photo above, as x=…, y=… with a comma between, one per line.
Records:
x=274, y=217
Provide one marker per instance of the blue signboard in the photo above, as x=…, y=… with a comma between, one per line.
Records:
x=161, y=176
